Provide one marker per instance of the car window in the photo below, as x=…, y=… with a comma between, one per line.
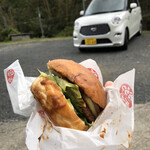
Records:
x=105, y=6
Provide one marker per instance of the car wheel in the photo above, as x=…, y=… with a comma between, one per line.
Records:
x=140, y=30
x=126, y=40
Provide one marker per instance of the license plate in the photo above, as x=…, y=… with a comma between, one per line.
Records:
x=90, y=42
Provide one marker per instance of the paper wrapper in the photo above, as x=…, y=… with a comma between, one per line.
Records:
x=112, y=129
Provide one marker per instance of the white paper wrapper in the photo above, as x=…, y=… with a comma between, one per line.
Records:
x=112, y=129
x=18, y=87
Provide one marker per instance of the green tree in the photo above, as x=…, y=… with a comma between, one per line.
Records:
x=57, y=16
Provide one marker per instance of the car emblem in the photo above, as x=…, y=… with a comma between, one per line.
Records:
x=93, y=29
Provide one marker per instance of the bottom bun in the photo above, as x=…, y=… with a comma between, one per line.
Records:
x=52, y=100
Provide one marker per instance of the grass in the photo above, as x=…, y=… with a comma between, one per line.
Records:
x=47, y=39
x=146, y=32
x=33, y=40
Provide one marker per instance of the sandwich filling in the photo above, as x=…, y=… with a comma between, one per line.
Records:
x=83, y=106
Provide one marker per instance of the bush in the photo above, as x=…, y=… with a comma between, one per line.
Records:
x=13, y=31
x=5, y=33
x=67, y=31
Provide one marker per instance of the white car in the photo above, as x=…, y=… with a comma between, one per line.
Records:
x=107, y=23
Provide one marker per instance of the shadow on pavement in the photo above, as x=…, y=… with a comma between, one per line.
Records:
x=101, y=50
x=108, y=49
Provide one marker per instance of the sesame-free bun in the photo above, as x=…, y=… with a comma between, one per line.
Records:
x=81, y=76
x=52, y=100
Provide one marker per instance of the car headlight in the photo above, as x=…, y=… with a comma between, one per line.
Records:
x=116, y=20
x=76, y=25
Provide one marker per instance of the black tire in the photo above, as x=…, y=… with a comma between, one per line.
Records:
x=140, y=30
x=126, y=41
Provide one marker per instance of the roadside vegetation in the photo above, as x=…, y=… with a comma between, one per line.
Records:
x=46, y=18
x=34, y=40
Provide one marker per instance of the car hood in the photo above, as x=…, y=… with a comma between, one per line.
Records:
x=98, y=18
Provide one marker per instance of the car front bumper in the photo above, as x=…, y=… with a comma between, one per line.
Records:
x=114, y=38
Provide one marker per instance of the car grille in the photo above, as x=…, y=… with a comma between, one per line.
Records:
x=95, y=29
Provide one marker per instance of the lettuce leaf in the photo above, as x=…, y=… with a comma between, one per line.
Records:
x=78, y=103
x=50, y=76
x=71, y=92
x=63, y=84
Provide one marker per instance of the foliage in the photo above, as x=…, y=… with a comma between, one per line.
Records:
x=13, y=31
x=5, y=33
x=57, y=16
x=145, y=5
x=67, y=31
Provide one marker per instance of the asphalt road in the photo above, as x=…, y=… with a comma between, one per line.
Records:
x=112, y=63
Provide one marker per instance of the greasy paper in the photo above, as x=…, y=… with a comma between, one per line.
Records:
x=112, y=129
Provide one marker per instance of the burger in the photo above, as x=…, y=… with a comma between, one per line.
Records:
x=70, y=94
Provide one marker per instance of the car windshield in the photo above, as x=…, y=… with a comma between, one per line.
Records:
x=105, y=6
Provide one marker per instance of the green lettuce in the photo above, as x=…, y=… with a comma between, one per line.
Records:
x=50, y=76
x=72, y=93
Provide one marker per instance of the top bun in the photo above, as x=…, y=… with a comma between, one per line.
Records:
x=81, y=76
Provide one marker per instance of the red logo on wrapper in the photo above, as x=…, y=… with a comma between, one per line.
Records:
x=126, y=95
x=94, y=72
x=42, y=114
x=10, y=75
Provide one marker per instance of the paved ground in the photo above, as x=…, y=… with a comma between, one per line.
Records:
x=112, y=63
x=13, y=132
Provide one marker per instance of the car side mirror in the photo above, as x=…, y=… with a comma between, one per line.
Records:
x=82, y=12
x=133, y=5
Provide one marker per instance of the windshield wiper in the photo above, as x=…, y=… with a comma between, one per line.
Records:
x=104, y=12
x=114, y=11
x=97, y=13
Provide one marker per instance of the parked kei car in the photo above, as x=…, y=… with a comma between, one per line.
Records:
x=108, y=23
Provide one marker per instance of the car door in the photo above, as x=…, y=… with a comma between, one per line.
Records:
x=132, y=18
x=138, y=16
